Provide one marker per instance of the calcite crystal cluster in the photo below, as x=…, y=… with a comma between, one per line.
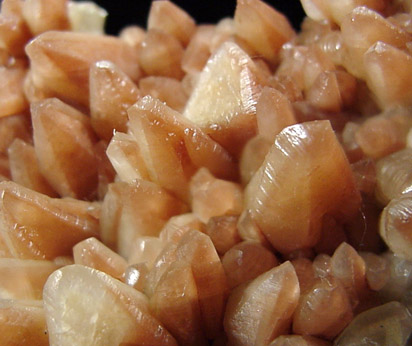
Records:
x=188, y=184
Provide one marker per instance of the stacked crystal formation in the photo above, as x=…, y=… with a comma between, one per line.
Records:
x=184, y=184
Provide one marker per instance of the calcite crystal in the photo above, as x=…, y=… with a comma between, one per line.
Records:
x=237, y=183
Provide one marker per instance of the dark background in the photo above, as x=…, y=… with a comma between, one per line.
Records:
x=126, y=12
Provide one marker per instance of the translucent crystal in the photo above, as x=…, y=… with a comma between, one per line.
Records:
x=64, y=141
x=24, y=168
x=246, y=261
x=78, y=299
x=223, y=103
x=395, y=226
x=94, y=254
x=281, y=202
x=260, y=311
x=161, y=54
x=112, y=92
x=130, y=211
x=223, y=232
x=39, y=227
x=214, y=197
x=42, y=16
x=323, y=310
x=60, y=62
x=168, y=17
x=25, y=278
x=12, y=99
x=393, y=175
x=174, y=148
x=386, y=325
x=23, y=323
x=168, y=90
x=263, y=28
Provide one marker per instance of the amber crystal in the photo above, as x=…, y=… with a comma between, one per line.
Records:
x=126, y=158
x=60, y=62
x=64, y=141
x=199, y=49
x=168, y=90
x=136, y=276
x=287, y=86
x=260, y=311
x=133, y=35
x=160, y=266
x=393, y=175
x=14, y=33
x=382, y=135
x=332, y=91
x=145, y=249
x=133, y=210
x=173, y=148
x=377, y=270
x=386, y=61
x=78, y=298
x=25, y=170
x=249, y=230
x=12, y=99
x=39, y=227
x=273, y=113
x=105, y=172
x=166, y=16
x=224, y=31
x=214, y=197
x=175, y=303
x=23, y=323
x=223, y=232
x=230, y=118
x=362, y=28
x=178, y=225
x=94, y=254
x=246, y=261
x=209, y=275
x=274, y=194
x=333, y=234
x=12, y=127
x=349, y=267
x=364, y=172
x=226, y=184
x=387, y=325
x=112, y=92
x=41, y=15
x=262, y=28
x=395, y=226
x=160, y=54
x=322, y=265
x=323, y=310
x=4, y=168
x=253, y=155
x=25, y=278
x=303, y=64
x=306, y=273
x=315, y=9
x=362, y=231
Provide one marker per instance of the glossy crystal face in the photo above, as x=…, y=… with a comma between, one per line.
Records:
x=237, y=183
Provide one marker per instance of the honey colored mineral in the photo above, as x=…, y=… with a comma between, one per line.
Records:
x=304, y=176
x=35, y=226
x=260, y=311
x=78, y=299
x=386, y=325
